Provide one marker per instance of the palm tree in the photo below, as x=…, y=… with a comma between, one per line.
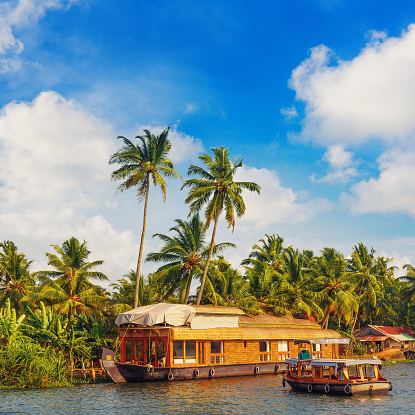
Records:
x=408, y=285
x=185, y=254
x=15, y=277
x=296, y=291
x=72, y=292
x=219, y=192
x=228, y=288
x=330, y=270
x=270, y=252
x=141, y=165
x=362, y=267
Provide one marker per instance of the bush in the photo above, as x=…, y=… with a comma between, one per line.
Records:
x=29, y=365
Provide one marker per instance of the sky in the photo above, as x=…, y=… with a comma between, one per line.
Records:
x=316, y=96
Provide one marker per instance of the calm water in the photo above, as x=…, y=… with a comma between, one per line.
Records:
x=248, y=395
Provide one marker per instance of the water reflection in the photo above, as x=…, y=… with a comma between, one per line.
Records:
x=248, y=395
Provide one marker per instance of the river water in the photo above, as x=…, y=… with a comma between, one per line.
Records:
x=240, y=395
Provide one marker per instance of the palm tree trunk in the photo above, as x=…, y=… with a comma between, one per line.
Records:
x=186, y=295
x=140, y=255
x=212, y=244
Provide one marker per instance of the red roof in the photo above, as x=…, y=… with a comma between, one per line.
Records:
x=393, y=331
x=373, y=338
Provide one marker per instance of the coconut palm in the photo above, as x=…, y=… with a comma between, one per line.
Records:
x=15, y=277
x=408, y=285
x=270, y=252
x=72, y=292
x=185, y=254
x=219, y=192
x=296, y=290
x=363, y=275
x=330, y=270
x=228, y=288
x=142, y=164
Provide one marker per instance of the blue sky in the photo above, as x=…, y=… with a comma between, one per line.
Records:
x=317, y=97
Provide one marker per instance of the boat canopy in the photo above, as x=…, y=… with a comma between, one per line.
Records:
x=341, y=340
x=337, y=363
x=162, y=313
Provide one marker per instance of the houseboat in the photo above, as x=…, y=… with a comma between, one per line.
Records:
x=173, y=341
x=334, y=376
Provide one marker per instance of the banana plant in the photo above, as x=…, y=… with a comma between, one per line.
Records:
x=11, y=328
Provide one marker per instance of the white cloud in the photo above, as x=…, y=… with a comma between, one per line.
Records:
x=53, y=172
x=191, y=107
x=24, y=13
x=370, y=96
x=276, y=204
x=340, y=162
x=397, y=261
x=289, y=113
x=393, y=190
x=55, y=183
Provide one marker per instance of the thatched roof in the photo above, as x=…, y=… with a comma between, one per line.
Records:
x=216, y=309
x=253, y=333
x=267, y=320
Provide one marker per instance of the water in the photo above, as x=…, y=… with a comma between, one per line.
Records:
x=241, y=395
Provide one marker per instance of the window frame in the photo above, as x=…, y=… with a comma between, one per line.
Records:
x=264, y=356
x=218, y=358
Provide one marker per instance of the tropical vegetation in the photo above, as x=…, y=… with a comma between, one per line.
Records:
x=56, y=320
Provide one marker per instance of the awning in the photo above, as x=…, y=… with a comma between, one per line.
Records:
x=341, y=340
x=151, y=315
x=372, y=339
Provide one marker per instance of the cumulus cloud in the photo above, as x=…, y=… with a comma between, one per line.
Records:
x=276, y=204
x=53, y=172
x=55, y=183
x=370, y=96
x=340, y=164
x=15, y=15
x=393, y=190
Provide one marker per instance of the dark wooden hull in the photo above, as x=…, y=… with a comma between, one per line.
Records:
x=340, y=388
x=124, y=372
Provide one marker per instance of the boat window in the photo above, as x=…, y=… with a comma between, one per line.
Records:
x=201, y=355
x=178, y=352
x=244, y=343
x=152, y=352
x=370, y=371
x=282, y=346
x=190, y=350
x=217, y=351
x=283, y=356
x=161, y=352
x=264, y=351
x=129, y=351
x=139, y=351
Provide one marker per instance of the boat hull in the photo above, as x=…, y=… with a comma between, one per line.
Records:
x=340, y=388
x=125, y=372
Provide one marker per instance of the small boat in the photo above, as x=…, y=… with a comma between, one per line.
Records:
x=335, y=376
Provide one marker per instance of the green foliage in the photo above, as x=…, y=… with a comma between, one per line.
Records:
x=29, y=365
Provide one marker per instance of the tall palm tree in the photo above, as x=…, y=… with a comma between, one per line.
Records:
x=15, y=276
x=219, y=192
x=185, y=254
x=72, y=292
x=142, y=164
x=270, y=252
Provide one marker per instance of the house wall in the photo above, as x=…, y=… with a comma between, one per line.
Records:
x=237, y=353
